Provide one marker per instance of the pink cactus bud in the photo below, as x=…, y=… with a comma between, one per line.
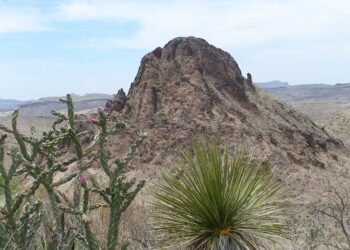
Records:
x=93, y=121
x=99, y=110
x=83, y=179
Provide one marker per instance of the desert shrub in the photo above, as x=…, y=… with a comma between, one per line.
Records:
x=306, y=231
x=47, y=164
x=334, y=213
x=326, y=223
x=136, y=227
x=215, y=201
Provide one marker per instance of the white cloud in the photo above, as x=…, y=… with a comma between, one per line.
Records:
x=225, y=23
x=21, y=20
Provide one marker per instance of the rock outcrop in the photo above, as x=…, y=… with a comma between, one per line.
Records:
x=187, y=74
x=190, y=89
x=117, y=103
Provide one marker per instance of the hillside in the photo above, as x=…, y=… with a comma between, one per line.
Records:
x=338, y=125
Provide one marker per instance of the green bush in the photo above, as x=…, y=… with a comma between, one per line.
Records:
x=218, y=202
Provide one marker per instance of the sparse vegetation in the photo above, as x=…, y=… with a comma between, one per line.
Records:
x=160, y=111
x=336, y=212
x=158, y=92
x=177, y=65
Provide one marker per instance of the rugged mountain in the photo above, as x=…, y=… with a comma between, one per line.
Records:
x=190, y=89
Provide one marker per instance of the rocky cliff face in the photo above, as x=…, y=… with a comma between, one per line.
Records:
x=190, y=85
x=117, y=103
x=190, y=89
x=184, y=79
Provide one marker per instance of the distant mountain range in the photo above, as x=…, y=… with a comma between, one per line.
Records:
x=273, y=84
x=308, y=92
x=317, y=101
x=9, y=104
x=43, y=106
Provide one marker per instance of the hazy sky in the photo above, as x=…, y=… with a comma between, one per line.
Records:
x=52, y=47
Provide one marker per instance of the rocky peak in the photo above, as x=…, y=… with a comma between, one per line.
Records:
x=187, y=73
x=117, y=103
x=190, y=89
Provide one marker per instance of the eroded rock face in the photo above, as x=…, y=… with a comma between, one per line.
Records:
x=188, y=73
x=117, y=103
x=190, y=89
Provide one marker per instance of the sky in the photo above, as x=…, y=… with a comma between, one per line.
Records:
x=54, y=47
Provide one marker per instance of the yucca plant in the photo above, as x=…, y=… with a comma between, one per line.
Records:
x=218, y=202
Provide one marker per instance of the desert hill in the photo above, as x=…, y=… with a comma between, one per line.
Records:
x=190, y=89
x=191, y=86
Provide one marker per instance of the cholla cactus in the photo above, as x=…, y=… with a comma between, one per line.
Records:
x=39, y=160
x=17, y=225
